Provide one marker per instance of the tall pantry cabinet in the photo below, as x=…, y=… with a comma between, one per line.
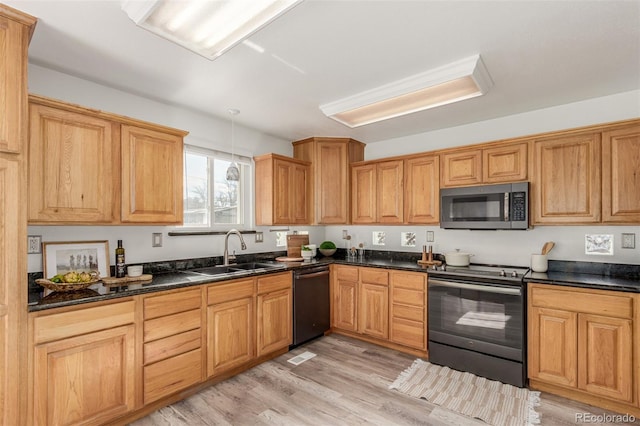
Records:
x=16, y=29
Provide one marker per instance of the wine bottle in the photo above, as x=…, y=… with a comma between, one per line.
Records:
x=120, y=265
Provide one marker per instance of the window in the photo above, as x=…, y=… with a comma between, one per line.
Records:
x=210, y=201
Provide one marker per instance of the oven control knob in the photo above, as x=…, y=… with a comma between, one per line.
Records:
x=502, y=273
x=514, y=274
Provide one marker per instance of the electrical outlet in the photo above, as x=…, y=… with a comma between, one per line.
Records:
x=156, y=239
x=259, y=237
x=34, y=244
x=629, y=241
x=430, y=236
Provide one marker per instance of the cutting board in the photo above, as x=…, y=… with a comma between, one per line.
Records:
x=294, y=242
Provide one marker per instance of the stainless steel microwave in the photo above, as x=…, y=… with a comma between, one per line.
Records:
x=504, y=206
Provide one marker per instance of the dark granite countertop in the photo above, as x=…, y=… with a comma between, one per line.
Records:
x=604, y=276
x=175, y=274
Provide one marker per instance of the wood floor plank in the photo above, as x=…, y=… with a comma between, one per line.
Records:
x=345, y=384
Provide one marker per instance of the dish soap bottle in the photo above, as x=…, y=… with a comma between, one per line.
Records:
x=120, y=265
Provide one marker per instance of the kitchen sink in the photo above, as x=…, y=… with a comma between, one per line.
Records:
x=237, y=268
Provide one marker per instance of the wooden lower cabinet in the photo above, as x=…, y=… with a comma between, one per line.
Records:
x=581, y=344
x=386, y=307
x=408, y=309
x=275, y=312
x=83, y=365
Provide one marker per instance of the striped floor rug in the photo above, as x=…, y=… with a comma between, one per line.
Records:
x=490, y=401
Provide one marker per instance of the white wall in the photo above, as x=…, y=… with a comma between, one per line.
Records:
x=204, y=130
x=510, y=247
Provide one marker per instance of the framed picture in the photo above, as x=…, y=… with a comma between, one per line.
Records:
x=598, y=244
x=408, y=239
x=79, y=256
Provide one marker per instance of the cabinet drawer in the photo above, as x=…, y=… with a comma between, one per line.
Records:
x=172, y=324
x=171, y=346
x=374, y=276
x=577, y=300
x=274, y=282
x=238, y=289
x=408, y=280
x=409, y=333
x=413, y=313
x=407, y=296
x=347, y=273
x=171, y=375
x=172, y=303
x=82, y=321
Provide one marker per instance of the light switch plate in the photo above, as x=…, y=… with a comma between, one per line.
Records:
x=430, y=236
x=156, y=239
x=629, y=241
x=259, y=237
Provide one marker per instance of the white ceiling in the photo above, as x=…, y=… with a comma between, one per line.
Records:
x=539, y=54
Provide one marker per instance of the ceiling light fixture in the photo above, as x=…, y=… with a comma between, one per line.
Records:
x=233, y=173
x=454, y=82
x=206, y=27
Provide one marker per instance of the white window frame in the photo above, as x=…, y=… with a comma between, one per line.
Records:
x=247, y=192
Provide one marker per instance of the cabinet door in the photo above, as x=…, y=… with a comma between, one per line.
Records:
x=274, y=321
x=363, y=193
x=14, y=39
x=300, y=187
x=152, y=181
x=345, y=296
x=567, y=188
x=87, y=379
x=422, y=190
x=283, y=194
x=230, y=335
x=390, y=204
x=605, y=346
x=373, y=306
x=621, y=175
x=71, y=167
x=461, y=168
x=553, y=346
x=504, y=163
x=332, y=182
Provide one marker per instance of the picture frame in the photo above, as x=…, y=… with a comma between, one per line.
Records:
x=598, y=244
x=61, y=257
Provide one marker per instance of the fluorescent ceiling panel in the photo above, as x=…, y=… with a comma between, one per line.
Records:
x=207, y=27
x=455, y=82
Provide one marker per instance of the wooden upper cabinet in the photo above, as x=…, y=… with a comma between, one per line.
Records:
x=462, y=168
x=504, y=163
x=422, y=189
x=567, y=187
x=71, y=167
x=152, y=177
x=363, y=194
x=621, y=175
x=390, y=202
x=282, y=190
x=330, y=159
x=376, y=192
x=15, y=32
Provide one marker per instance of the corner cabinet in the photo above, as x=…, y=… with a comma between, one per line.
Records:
x=330, y=159
x=581, y=344
x=283, y=185
x=91, y=167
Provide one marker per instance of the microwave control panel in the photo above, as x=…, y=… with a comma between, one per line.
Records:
x=518, y=206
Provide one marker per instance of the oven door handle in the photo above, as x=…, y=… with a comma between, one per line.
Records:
x=485, y=288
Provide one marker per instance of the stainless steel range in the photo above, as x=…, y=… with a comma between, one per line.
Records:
x=477, y=321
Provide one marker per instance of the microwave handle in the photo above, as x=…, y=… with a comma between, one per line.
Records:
x=507, y=207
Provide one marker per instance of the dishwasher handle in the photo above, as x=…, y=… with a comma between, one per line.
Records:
x=311, y=274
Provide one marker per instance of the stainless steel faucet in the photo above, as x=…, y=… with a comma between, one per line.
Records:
x=226, y=244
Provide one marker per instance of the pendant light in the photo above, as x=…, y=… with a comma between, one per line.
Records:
x=233, y=173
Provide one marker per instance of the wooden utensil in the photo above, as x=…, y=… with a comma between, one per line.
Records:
x=548, y=246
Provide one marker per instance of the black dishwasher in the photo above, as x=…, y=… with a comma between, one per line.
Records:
x=310, y=303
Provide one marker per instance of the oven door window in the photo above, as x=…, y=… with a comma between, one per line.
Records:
x=485, y=316
x=475, y=208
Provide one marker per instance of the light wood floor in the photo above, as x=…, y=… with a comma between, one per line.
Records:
x=345, y=384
